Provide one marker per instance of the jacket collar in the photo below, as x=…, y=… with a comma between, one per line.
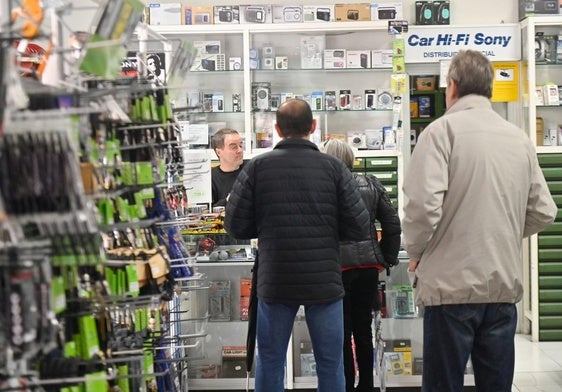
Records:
x=471, y=101
x=295, y=143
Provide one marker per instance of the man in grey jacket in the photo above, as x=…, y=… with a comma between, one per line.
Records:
x=474, y=190
x=299, y=203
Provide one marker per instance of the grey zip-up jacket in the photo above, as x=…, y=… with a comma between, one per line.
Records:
x=474, y=190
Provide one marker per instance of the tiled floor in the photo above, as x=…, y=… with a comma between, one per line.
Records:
x=538, y=366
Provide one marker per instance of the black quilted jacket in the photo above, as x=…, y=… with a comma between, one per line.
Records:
x=356, y=254
x=299, y=203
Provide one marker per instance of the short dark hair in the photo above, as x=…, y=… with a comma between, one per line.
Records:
x=472, y=72
x=294, y=118
x=217, y=140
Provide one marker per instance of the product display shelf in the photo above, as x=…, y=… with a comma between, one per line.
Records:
x=539, y=67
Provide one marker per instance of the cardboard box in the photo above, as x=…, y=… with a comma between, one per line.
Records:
x=287, y=13
x=165, y=14
x=354, y=12
x=537, y=7
x=398, y=353
x=226, y=14
x=318, y=13
x=256, y=14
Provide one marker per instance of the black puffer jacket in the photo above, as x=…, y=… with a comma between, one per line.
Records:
x=359, y=254
x=299, y=203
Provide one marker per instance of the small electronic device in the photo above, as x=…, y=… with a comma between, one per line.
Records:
x=353, y=14
x=255, y=14
x=323, y=14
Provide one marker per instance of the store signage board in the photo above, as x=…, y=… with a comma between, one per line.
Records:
x=428, y=44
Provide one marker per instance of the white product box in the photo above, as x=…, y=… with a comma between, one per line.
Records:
x=318, y=13
x=357, y=140
x=550, y=93
x=285, y=96
x=312, y=48
x=381, y=58
x=255, y=14
x=334, y=58
x=374, y=138
x=207, y=47
x=386, y=11
x=281, y=62
x=165, y=14
x=384, y=99
x=358, y=59
x=227, y=14
x=209, y=62
x=539, y=95
x=287, y=13
x=267, y=63
x=218, y=102
x=235, y=63
x=317, y=100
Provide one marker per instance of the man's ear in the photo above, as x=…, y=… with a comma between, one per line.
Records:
x=278, y=129
x=313, y=126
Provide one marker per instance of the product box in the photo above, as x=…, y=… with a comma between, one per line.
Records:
x=371, y=99
x=537, y=7
x=233, y=361
x=354, y=12
x=308, y=362
x=441, y=12
x=209, y=62
x=317, y=100
x=287, y=13
x=334, y=58
x=165, y=14
x=424, y=106
x=345, y=99
x=312, y=48
x=219, y=300
x=281, y=62
x=207, y=47
x=218, y=102
x=256, y=14
x=399, y=357
x=330, y=100
x=386, y=11
x=559, y=49
x=545, y=48
x=226, y=14
x=374, y=138
x=318, y=13
x=424, y=13
x=201, y=15
x=235, y=63
x=550, y=93
x=186, y=15
x=384, y=99
x=358, y=59
x=539, y=95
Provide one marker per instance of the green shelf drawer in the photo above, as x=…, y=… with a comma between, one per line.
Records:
x=550, y=241
x=552, y=173
x=550, y=268
x=550, y=160
x=551, y=308
x=393, y=192
x=558, y=200
x=385, y=177
x=550, y=295
x=359, y=164
x=555, y=186
x=381, y=163
x=550, y=254
x=550, y=322
x=394, y=202
x=550, y=282
x=554, y=228
x=553, y=335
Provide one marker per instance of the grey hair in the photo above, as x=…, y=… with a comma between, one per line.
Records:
x=339, y=149
x=472, y=72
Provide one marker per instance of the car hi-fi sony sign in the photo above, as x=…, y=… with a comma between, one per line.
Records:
x=426, y=44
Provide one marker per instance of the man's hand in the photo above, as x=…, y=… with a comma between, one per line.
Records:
x=413, y=265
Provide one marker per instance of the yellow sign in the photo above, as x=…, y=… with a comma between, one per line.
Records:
x=506, y=81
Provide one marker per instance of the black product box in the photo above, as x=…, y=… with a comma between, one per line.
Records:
x=441, y=12
x=538, y=7
x=424, y=13
x=233, y=362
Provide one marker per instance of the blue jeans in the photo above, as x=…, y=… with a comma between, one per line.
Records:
x=452, y=333
x=325, y=325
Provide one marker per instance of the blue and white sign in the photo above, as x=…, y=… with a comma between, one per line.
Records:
x=426, y=44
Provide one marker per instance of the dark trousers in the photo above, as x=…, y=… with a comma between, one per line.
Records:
x=360, y=291
x=452, y=333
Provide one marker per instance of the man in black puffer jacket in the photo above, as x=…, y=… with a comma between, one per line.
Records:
x=299, y=203
x=361, y=262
